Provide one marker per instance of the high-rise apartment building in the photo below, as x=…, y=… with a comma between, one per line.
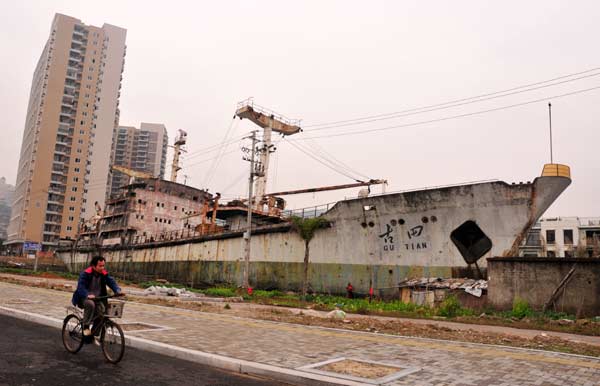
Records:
x=72, y=114
x=143, y=150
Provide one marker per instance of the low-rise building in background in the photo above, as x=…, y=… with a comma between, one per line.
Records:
x=563, y=237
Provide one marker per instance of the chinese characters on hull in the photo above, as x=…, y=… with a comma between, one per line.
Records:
x=416, y=239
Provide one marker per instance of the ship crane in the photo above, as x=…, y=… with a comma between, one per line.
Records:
x=269, y=121
x=133, y=174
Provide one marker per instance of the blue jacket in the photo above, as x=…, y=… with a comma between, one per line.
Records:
x=83, y=285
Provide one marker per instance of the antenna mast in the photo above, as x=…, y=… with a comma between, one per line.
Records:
x=180, y=141
x=550, y=120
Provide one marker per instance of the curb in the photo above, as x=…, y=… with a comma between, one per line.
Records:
x=290, y=376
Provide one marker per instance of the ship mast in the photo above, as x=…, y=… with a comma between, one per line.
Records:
x=180, y=140
x=270, y=122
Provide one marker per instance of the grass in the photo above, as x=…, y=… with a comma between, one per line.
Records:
x=521, y=315
x=30, y=272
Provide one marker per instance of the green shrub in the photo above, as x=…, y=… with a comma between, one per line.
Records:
x=521, y=308
x=267, y=294
x=450, y=307
x=225, y=292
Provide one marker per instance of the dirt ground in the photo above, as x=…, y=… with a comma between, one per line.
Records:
x=541, y=341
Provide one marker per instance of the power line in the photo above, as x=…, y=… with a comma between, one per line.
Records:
x=297, y=146
x=453, y=103
x=212, y=170
x=355, y=132
x=319, y=151
x=212, y=148
x=210, y=159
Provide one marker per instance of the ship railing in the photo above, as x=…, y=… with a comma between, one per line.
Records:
x=166, y=236
x=309, y=212
x=265, y=111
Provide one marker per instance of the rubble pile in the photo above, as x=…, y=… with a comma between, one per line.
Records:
x=470, y=286
x=170, y=291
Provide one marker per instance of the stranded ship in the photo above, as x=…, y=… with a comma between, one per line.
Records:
x=372, y=240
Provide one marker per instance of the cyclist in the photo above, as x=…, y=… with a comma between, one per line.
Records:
x=91, y=284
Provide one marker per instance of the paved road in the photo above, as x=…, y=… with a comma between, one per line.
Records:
x=31, y=354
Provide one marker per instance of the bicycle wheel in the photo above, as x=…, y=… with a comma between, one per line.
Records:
x=72, y=335
x=112, y=341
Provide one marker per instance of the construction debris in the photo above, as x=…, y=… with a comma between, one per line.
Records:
x=170, y=291
x=470, y=286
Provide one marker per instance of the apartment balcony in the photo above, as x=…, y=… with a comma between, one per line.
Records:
x=57, y=190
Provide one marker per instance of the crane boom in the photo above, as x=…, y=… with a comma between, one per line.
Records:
x=332, y=187
x=131, y=173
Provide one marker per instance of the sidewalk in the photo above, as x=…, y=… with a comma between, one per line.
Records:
x=519, y=332
x=279, y=350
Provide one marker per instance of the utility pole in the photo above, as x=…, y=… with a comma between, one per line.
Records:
x=248, y=233
x=550, y=120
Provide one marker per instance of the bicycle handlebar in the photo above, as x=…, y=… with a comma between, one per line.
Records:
x=107, y=297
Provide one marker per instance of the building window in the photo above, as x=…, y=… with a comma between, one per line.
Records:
x=568, y=236
x=72, y=199
x=169, y=221
x=74, y=189
x=72, y=208
x=71, y=218
x=550, y=236
x=69, y=228
x=551, y=254
x=568, y=254
x=175, y=208
x=158, y=204
x=155, y=219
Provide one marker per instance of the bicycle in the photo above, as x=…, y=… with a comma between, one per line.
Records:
x=111, y=337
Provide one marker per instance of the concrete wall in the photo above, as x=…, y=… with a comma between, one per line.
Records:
x=535, y=279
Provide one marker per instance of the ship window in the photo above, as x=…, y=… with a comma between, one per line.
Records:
x=471, y=241
x=550, y=236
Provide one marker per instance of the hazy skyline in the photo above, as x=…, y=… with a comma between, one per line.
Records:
x=189, y=64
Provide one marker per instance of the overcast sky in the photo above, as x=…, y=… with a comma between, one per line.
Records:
x=189, y=63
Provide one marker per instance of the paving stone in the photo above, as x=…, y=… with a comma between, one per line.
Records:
x=291, y=346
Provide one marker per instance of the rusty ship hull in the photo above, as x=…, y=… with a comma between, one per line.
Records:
x=373, y=241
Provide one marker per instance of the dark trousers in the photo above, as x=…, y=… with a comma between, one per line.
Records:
x=90, y=310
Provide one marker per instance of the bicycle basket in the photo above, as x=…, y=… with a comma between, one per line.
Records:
x=114, y=310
